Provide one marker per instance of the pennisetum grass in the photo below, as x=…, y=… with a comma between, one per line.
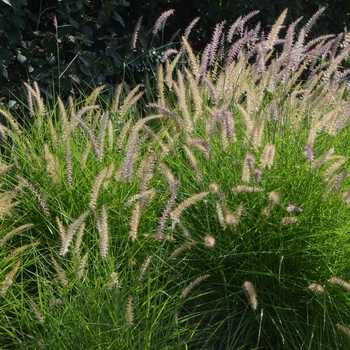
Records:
x=241, y=176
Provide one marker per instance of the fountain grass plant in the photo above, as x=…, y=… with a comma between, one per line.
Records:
x=216, y=218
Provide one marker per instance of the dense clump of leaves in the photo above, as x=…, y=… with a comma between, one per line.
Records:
x=66, y=46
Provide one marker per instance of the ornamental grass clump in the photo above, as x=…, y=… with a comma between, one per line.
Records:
x=215, y=218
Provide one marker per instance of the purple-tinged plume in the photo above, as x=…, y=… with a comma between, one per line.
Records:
x=168, y=53
x=293, y=207
x=167, y=111
x=257, y=175
x=217, y=115
x=215, y=42
x=343, y=119
x=136, y=34
x=190, y=27
x=162, y=19
x=238, y=26
x=309, y=152
x=338, y=181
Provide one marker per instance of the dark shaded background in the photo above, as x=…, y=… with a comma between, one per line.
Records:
x=91, y=44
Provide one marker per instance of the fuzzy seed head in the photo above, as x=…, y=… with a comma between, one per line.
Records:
x=267, y=210
x=192, y=285
x=114, y=283
x=231, y=220
x=268, y=156
x=16, y=230
x=39, y=316
x=245, y=188
x=309, y=152
x=343, y=329
x=176, y=213
x=209, y=241
x=250, y=160
x=144, y=267
x=56, y=302
x=346, y=197
x=135, y=220
x=289, y=220
x=130, y=311
x=213, y=188
x=82, y=265
x=339, y=282
x=274, y=197
x=5, y=285
x=220, y=215
x=257, y=175
x=316, y=287
x=61, y=274
x=183, y=247
x=253, y=298
x=161, y=20
x=21, y=249
x=293, y=207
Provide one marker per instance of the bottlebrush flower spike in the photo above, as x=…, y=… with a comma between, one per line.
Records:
x=162, y=19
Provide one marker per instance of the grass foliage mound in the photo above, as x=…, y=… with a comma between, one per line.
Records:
x=212, y=216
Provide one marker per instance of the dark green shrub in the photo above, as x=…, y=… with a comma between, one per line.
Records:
x=72, y=46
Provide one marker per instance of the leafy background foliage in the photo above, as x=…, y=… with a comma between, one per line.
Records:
x=91, y=43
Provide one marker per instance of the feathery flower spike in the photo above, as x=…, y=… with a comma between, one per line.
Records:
x=192, y=285
x=175, y=214
x=253, y=298
x=136, y=33
x=316, y=287
x=339, y=282
x=5, y=285
x=162, y=19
